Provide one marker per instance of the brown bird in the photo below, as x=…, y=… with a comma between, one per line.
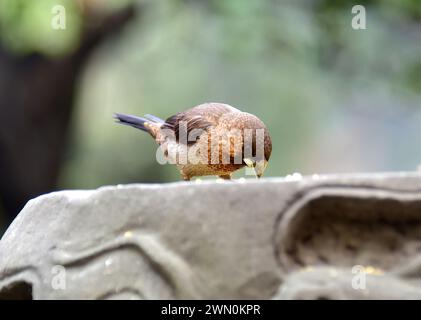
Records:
x=209, y=139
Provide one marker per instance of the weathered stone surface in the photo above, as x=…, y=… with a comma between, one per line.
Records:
x=272, y=238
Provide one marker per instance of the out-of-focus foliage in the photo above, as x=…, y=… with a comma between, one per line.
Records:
x=335, y=99
x=26, y=26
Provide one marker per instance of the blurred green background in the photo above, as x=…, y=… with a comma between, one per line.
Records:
x=334, y=99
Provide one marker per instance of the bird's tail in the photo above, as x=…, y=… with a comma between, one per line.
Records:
x=147, y=124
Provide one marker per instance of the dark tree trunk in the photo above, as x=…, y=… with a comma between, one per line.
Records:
x=36, y=103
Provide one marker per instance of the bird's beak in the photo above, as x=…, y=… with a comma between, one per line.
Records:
x=260, y=167
x=249, y=162
x=250, y=165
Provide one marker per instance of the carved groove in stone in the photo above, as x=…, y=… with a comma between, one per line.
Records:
x=21, y=284
x=344, y=227
x=167, y=268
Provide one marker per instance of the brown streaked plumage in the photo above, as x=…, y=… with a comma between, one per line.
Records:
x=209, y=139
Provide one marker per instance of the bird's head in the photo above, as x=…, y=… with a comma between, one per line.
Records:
x=260, y=161
x=257, y=144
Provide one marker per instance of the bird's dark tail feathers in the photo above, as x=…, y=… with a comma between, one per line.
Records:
x=137, y=122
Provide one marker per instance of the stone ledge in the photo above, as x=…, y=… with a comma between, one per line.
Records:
x=272, y=238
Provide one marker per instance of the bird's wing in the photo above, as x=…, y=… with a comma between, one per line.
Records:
x=200, y=117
